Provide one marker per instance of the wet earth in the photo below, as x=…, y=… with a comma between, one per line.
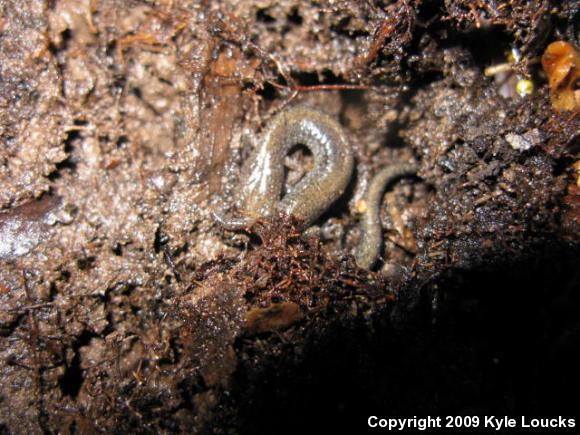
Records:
x=125, y=306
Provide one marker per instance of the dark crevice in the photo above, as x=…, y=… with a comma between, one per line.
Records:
x=72, y=380
x=69, y=164
x=294, y=17
x=262, y=16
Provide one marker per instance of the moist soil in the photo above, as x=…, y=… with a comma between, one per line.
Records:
x=126, y=308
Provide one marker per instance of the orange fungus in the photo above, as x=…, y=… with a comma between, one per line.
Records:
x=561, y=62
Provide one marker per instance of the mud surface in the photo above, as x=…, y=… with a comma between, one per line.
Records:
x=124, y=307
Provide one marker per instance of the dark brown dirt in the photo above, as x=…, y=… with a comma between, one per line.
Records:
x=125, y=308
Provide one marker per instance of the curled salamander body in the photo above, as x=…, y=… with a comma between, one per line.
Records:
x=263, y=175
x=371, y=241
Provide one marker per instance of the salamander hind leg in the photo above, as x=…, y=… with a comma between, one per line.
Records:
x=232, y=223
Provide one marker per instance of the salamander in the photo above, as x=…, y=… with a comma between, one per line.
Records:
x=263, y=174
x=369, y=247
